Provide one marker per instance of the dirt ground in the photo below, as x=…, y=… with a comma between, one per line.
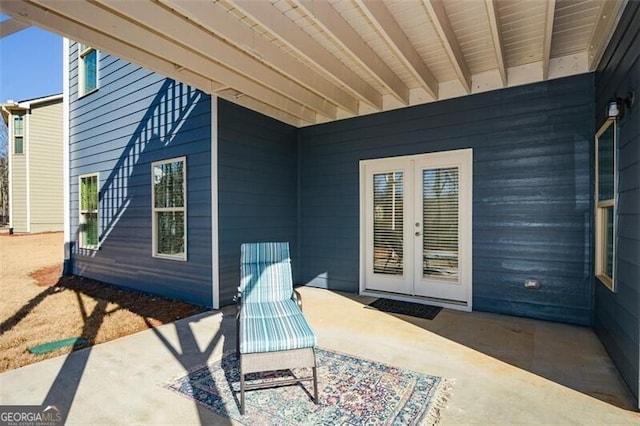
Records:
x=38, y=306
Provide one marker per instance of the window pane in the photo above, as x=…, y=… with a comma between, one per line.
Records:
x=170, y=233
x=18, y=145
x=605, y=165
x=90, y=68
x=169, y=184
x=440, y=222
x=608, y=258
x=90, y=230
x=388, y=223
x=18, y=125
x=89, y=193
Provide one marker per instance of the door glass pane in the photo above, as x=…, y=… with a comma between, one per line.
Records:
x=388, y=223
x=440, y=223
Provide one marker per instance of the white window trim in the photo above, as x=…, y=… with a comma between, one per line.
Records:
x=600, y=206
x=154, y=210
x=23, y=135
x=81, y=69
x=80, y=212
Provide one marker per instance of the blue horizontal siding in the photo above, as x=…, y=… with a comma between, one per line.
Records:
x=531, y=202
x=257, y=188
x=137, y=117
x=617, y=315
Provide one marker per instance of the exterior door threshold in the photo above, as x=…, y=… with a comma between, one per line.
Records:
x=445, y=303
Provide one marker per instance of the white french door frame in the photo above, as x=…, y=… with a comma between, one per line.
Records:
x=464, y=160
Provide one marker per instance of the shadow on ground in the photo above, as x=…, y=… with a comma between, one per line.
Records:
x=569, y=355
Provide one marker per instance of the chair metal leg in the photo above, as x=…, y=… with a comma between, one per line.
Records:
x=237, y=338
x=315, y=385
x=241, y=391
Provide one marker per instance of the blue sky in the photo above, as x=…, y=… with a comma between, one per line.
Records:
x=30, y=64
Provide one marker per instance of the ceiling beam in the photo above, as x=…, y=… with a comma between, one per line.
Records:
x=391, y=31
x=157, y=45
x=548, y=38
x=297, y=39
x=84, y=34
x=239, y=98
x=10, y=26
x=442, y=25
x=496, y=35
x=213, y=17
x=343, y=33
x=608, y=17
x=180, y=31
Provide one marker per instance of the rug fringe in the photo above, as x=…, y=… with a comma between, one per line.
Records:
x=441, y=401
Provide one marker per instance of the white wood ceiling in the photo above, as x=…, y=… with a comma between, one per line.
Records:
x=312, y=61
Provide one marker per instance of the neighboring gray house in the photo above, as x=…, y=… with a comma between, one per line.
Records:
x=34, y=148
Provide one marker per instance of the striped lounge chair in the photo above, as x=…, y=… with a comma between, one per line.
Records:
x=272, y=332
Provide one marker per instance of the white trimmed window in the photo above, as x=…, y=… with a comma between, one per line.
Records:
x=18, y=134
x=605, y=196
x=87, y=69
x=169, y=201
x=88, y=208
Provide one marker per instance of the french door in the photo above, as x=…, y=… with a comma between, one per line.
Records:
x=416, y=225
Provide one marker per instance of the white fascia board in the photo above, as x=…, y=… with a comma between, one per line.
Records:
x=31, y=102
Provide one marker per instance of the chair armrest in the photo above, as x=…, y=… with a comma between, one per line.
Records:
x=297, y=297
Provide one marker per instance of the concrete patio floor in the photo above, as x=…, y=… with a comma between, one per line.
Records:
x=507, y=370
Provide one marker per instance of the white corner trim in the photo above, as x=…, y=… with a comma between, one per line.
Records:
x=215, y=259
x=66, y=196
x=26, y=148
x=10, y=154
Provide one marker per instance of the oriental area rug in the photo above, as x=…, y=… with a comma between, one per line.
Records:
x=352, y=391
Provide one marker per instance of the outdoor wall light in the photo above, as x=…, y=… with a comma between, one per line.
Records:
x=617, y=106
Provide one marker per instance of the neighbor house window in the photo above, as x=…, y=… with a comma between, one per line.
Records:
x=89, y=201
x=169, y=208
x=605, y=196
x=87, y=69
x=18, y=134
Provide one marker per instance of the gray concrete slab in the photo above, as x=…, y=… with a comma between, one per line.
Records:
x=507, y=370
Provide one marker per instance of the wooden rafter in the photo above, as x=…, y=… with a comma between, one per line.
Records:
x=391, y=31
x=297, y=39
x=240, y=98
x=167, y=23
x=215, y=19
x=10, y=26
x=548, y=38
x=344, y=34
x=496, y=35
x=438, y=15
x=608, y=17
x=159, y=45
x=85, y=34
